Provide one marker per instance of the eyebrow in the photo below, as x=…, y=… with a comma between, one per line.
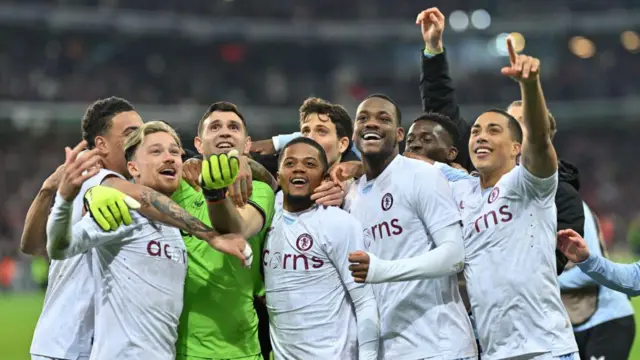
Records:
x=475, y=126
x=130, y=129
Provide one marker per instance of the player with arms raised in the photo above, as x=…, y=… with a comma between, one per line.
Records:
x=138, y=269
x=306, y=269
x=407, y=208
x=510, y=223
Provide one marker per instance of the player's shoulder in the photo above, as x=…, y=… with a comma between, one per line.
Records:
x=418, y=166
x=338, y=218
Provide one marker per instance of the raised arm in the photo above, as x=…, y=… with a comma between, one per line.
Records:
x=436, y=88
x=538, y=153
x=34, y=234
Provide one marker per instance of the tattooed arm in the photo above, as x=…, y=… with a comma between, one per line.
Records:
x=156, y=206
x=261, y=173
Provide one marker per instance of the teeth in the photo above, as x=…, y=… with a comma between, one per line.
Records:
x=168, y=172
x=298, y=181
x=225, y=146
x=482, y=151
x=371, y=136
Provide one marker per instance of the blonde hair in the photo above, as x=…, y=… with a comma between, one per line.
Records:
x=136, y=138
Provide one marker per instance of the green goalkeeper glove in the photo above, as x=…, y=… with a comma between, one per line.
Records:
x=218, y=173
x=108, y=207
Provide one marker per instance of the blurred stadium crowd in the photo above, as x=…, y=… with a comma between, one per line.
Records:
x=50, y=63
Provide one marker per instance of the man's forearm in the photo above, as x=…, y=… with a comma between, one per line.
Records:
x=158, y=207
x=260, y=173
x=225, y=217
x=34, y=233
x=58, y=229
x=446, y=259
x=624, y=278
x=535, y=114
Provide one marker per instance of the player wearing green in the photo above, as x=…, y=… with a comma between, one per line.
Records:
x=219, y=320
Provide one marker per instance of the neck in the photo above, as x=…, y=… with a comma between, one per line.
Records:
x=375, y=164
x=490, y=178
x=296, y=204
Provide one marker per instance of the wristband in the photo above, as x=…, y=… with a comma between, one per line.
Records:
x=429, y=54
x=214, y=196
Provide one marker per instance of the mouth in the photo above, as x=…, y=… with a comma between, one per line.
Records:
x=298, y=182
x=482, y=151
x=224, y=145
x=169, y=173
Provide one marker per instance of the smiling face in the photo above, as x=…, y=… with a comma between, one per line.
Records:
x=222, y=132
x=320, y=128
x=157, y=163
x=492, y=144
x=376, y=133
x=430, y=139
x=301, y=171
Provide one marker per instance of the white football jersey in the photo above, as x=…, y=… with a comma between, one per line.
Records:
x=305, y=259
x=510, y=240
x=400, y=209
x=139, y=273
x=65, y=326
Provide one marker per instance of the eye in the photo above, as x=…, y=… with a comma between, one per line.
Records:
x=361, y=118
x=175, y=152
x=288, y=163
x=215, y=127
x=305, y=131
x=156, y=151
x=234, y=127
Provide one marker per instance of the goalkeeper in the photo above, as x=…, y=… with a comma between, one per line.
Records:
x=219, y=320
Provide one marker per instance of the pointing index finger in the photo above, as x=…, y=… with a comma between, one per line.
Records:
x=512, y=51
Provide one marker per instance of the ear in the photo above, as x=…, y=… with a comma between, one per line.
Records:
x=343, y=144
x=101, y=145
x=247, y=146
x=400, y=134
x=517, y=149
x=452, y=153
x=197, y=142
x=132, y=166
x=278, y=178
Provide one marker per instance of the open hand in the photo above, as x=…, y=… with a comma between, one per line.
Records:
x=341, y=172
x=432, y=24
x=573, y=245
x=77, y=170
x=328, y=194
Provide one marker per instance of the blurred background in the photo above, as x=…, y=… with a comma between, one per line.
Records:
x=172, y=58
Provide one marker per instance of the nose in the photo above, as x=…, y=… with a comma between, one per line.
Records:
x=169, y=158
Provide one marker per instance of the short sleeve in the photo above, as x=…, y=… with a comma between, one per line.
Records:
x=452, y=174
x=434, y=200
x=343, y=237
x=263, y=199
x=532, y=187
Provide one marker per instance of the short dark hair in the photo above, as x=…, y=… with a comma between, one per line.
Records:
x=395, y=105
x=309, y=141
x=444, y=121
x=553, y=126
x=97, y=119
x=336, y=113
x=223, y=106
x=514, y=125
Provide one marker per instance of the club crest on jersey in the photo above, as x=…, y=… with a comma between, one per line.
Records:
x=494, y=195
x=304, y=242
x=387, y=201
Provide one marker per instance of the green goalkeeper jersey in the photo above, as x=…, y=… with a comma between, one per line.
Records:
x=218, y=318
